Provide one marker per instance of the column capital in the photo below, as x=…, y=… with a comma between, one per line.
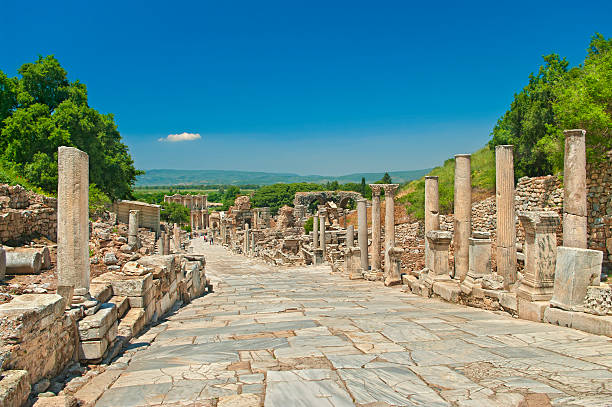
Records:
x=390, y=189
x=539, y=221
x=376, y=188
x=574, y=133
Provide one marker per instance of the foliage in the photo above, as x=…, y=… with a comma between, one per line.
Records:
x=41, y=111
x=483, y=178
x=98, y=201
x=308, y=225
x=556, y=99
x=229, y=197
x=386, y=179
x=277, y=195
x=8, y=175
x=173, y=212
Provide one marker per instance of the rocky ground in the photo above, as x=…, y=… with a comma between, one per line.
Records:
x=305, y=337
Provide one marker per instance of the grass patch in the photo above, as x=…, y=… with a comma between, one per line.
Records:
x=483, y=178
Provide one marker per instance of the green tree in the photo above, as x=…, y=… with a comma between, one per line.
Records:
x=386, y=179
x=308, y=225
x=42, y=111
x=527, y=121
x=362, y=190
x=173, y=212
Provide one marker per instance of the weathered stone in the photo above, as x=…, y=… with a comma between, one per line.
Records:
x=392, y=275
x=462, y=215
x=540, y=254
x=2, y=263
x=110, y=259
x=575, y=270
x=132, y=323
x=315, y=231
x=595, y=324
x=598, y=300
x=73, y=221
x=14, y=388
x=350, y=236
x=432, y=214
x=531, y=310
x=376, y=226
x=23, y=262
x=506, y=232
x=479, y=262
x=66, y=400
x=129, y=286
x=439, y=242
x=362, y=232
x=97, y=325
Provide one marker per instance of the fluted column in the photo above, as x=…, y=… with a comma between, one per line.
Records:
x=315, y=231
x=463, y=214
x=350, y=236
x=390, y=189
x=322, y=216
x=362, y=231
x=506, y=230
x=432, y=213
x=376, y=226
x=575, y=200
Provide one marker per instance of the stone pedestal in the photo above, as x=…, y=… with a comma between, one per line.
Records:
x=506, y=232
x=574, y=187
x=439, y=242
x=390, y=277
x=133, y=223
x=362, y=232
x=576, y=269
x=315, y=232
x=322, y=216
x=318, y=256
x=350, y=236
x=432, y=214
x=73, y=222
x=540, y=254
x=463, y=214
x=376, y=226
x=480, y=261
x=354, y=266
x=395, y=266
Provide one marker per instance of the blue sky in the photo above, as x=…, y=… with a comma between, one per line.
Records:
x=312, y=87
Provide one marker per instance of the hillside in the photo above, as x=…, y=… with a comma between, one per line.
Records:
x=483, y=183
x=202, y=177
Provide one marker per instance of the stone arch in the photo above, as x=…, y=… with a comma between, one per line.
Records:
x=341, y=198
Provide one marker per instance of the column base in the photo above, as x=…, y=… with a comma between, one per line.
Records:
x=531, y=293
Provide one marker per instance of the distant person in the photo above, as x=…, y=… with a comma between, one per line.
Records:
x=211, y=240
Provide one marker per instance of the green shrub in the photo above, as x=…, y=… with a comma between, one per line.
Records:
x=308, y=225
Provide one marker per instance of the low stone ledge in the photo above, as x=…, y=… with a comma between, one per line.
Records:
x=448, y=290
x=594, y=324
x=97, y=325
x=122, y=304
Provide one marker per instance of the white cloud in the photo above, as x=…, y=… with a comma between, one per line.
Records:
x=173, y=138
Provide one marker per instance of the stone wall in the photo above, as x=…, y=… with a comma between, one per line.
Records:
x=25, y=215
x=599, y=206
x=149, y=214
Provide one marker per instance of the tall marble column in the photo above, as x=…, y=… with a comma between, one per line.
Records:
x=322, y=216
x=506, y=230
x=133, y=228
x=246, y=239
x=432, y=213
x=376, y=226
x=463, y=214
x=315, y=231
x=73, y=222
x=362, y=231
x=574, y=187
x=390, y=277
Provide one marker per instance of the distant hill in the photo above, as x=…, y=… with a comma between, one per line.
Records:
x=201, y=177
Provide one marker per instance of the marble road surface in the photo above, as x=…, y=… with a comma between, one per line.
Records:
x=283, y=337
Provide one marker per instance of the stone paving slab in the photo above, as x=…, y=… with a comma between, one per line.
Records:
x=303, y=336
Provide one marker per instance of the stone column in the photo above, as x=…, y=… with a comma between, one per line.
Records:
x=177, y=238
x=73, y=222
x=376, y=226
x=315, y=231
x=2, y=263
x=506, y=229
x=390, y=277
x=133, y=223
x=540, y=254
x=322, y=215
x=252, y=242
x=246, y=239
x=350, y=236
x=574, y=187
x=463, y=214
x=362, y=231
x=166, y=243
x=432, y=212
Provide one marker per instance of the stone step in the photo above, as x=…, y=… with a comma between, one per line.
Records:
x=132, y=323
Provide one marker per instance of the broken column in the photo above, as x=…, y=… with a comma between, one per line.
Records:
x=315, y=231
x=391, y=275
x=432, y=214
x=350, y=236
x=322, y=216
x=362, y=231
x=177, y=238
x=480, y=260
x=439, y=241
x=133, y=228
x=23, y=262
x=574, y=187
x=2, y=263
x=504, y=200
x=73, y=222
x=252, y=242
x=166, y=243
x=376, y=226
x=540, y=254
x=463, y=214
x=576, y=269
x=246, y=239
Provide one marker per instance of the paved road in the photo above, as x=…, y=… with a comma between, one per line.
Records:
x=304, y=337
